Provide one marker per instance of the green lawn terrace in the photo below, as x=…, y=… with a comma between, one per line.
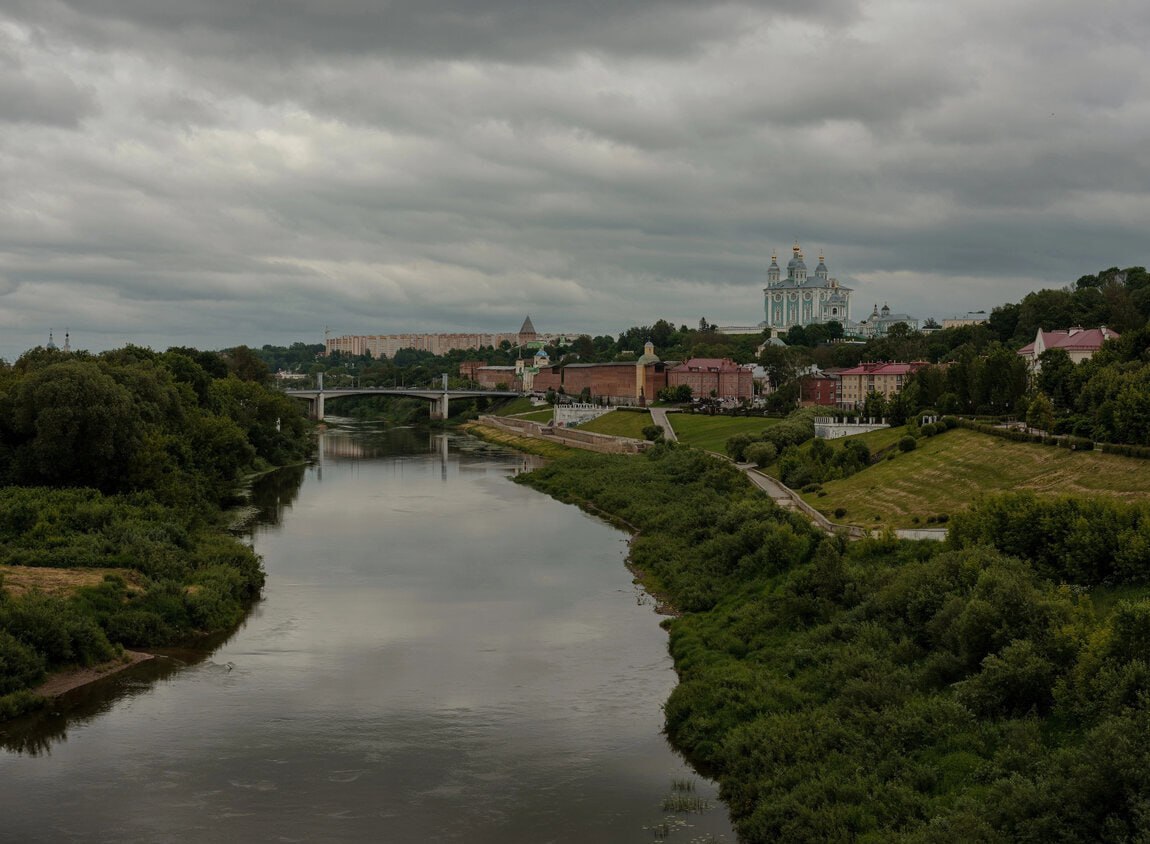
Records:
x=620, y=423
x=712, y=432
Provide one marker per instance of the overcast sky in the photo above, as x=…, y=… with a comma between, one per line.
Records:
x=216, y=172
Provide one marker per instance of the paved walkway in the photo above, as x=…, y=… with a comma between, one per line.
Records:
x=788, y=499
x=659, y=414
x=777, y=492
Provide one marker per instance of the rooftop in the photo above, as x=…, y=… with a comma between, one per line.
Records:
x=1076, y=339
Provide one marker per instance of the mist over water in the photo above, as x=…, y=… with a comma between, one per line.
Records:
x=440, y=655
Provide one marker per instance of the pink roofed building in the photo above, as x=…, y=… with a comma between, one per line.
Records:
x=884, y=378
x=1079, y=343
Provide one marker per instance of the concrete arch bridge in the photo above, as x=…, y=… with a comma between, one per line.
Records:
x=317, y=399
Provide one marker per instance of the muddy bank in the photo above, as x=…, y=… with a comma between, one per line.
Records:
x=64, y=681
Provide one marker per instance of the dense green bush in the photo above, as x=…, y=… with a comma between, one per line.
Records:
x=56, y=630
x=761, y=454
x=20, y=665
x=18, y=703
x=1083, y=541
x=736, y=446
x=907, y=443
x=796, y=429
x=652, y=432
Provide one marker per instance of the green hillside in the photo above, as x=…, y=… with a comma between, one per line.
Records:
x=946, y=473
x=712, y=432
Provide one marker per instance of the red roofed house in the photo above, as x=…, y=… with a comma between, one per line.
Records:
x=1079, y=343
x=883, y=378
x=722, y=376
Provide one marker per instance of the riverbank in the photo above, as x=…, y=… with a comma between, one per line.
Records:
x=60, y=682
x=883, y=689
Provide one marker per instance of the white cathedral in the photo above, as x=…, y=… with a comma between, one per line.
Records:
x=800, y=299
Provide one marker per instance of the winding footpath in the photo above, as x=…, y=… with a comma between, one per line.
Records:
x=659, y=414
x=788, y=499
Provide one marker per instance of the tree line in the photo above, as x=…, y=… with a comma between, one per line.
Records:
x=124, y=461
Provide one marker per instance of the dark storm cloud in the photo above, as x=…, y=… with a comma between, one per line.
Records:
x=505, y=30
x=225, y=172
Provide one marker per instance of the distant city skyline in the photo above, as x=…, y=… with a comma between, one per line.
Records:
x=192, y=173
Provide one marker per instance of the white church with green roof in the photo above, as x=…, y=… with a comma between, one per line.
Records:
x=801, y=299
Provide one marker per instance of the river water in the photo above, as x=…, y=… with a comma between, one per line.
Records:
x=439, y=655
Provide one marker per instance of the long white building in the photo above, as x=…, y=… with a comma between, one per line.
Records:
x=386, y=345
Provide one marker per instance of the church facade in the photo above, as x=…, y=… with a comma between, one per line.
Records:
x=802, y=299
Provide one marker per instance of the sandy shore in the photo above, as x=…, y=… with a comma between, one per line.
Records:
x=65, y=681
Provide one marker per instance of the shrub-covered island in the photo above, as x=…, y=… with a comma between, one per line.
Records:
x=121, y=463
x=991, y=689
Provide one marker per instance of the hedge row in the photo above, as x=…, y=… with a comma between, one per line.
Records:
x=1142, y=452
x=1072, y=443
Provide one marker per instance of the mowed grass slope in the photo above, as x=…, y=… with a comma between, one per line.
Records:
x=947, y=472
x=712, y=432
x=619, y=423
x=515, y=406
x=543, y=416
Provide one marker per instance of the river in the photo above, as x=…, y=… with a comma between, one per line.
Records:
x=439, y=655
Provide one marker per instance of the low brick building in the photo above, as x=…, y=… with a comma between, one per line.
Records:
x=499, y=378
x=721, y=376
x=820, y=390
x=618, y=382
x=469, y=369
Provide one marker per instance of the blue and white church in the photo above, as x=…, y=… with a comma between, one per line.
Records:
x=800, y=299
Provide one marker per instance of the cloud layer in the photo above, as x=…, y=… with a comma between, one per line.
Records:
x=213, y=172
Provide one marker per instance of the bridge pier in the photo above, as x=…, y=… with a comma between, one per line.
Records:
x=439, y=408
x=317, y=408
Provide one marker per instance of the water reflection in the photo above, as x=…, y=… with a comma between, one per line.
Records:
x=273, y=494
x=35, y=734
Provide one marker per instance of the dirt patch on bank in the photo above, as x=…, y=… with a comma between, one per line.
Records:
x=59, y=582
x=65, y=681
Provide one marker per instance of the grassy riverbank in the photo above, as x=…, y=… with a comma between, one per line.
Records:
x=893, y=691
x=89, y=574
x=528, y=445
